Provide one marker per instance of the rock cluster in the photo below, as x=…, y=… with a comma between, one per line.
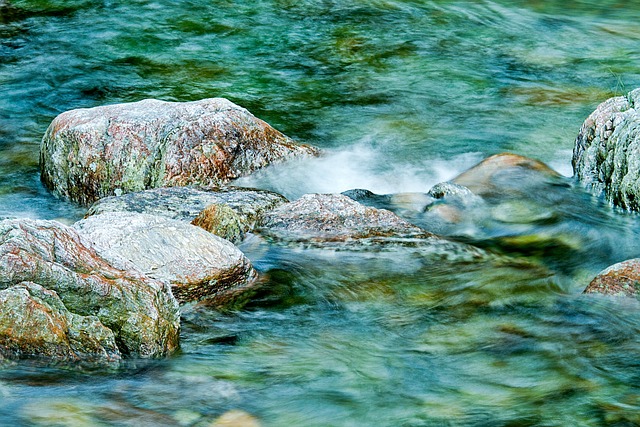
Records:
x=606, y=160
x=163, y=226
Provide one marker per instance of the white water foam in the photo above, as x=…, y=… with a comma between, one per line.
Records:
x=359, y=166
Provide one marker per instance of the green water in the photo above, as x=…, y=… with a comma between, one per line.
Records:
x=401, y=95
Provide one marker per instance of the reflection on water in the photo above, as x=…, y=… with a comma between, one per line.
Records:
x=402, y=94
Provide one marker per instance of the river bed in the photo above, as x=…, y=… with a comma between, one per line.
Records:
x=401, y=95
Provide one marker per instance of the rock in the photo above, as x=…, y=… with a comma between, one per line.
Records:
x=505, y=172
x=35, y=322
x=222, y=221
x=236, y=418
x=87, y=154
x=229, y=212
x=606, y=154
x=334, y=217
x=140, y=311
x=197, y=264
x=621, y=279
x=335, y=221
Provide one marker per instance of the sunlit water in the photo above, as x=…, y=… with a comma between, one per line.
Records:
x=401, y=95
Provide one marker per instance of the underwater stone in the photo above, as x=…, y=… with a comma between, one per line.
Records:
x=606, y=154
x=621, y=279
x=87, y=154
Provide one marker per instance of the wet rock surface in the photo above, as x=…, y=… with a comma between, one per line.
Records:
x=335, y=221
x=621, y=279
x=35, y=323
x=508, y=204
x=141, y=312
x=606, y=154
x=334, y=217
x=88, y=154
x=197, y=264
x=227, y=212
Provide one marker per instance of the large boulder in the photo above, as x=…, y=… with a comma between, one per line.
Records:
x=35, y=322
x=227, y=212
x=87, y=154
x=606, y=154
x=198, y=265
x=621, y=279
x=140, y=311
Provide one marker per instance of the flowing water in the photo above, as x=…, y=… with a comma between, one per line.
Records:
x=402, y=94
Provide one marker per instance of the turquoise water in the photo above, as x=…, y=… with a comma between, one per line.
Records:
x=401, y=95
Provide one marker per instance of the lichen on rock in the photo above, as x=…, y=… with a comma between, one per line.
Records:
x=88, y=154
x=141, y=312
x=606, y=154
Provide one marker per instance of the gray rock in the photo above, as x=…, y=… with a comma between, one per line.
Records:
x=197, y=264
x=621, y=279
x=227, y=212
x=335, y=221
x=141, y=312
x=35, y=322
x=87, y=154
x=606, y=154
x=334, y=217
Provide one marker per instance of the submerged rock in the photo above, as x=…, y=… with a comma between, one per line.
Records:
x=197, y=264
x=621, y=279
x=606, y=154
x=87, y=154
x=505, y=173
x=228, y=212
x=35, y=322
x=140, y=311
x=337, y=221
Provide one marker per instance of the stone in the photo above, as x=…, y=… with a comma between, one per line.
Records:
x=228, y=212
x=236, y=418
x=505, y=172
x=140, y=311
x=196, y=264
x=88, y=154
x=34, y=322
x=335, y=221
x=606, y=154
x=334, y=217
x=621, y=279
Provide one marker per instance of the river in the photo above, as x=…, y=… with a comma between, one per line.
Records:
x=401, y=95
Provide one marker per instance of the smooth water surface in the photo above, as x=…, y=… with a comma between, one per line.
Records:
x=401, y=94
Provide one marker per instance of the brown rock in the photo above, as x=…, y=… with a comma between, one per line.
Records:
x=495, y=173
x=87, y=154
x=621, y=279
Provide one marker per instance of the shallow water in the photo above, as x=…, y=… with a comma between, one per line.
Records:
x=402, y=95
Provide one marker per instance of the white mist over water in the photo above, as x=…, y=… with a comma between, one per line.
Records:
x=359, y=166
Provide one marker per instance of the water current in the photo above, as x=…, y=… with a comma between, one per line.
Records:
x=401, y=95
